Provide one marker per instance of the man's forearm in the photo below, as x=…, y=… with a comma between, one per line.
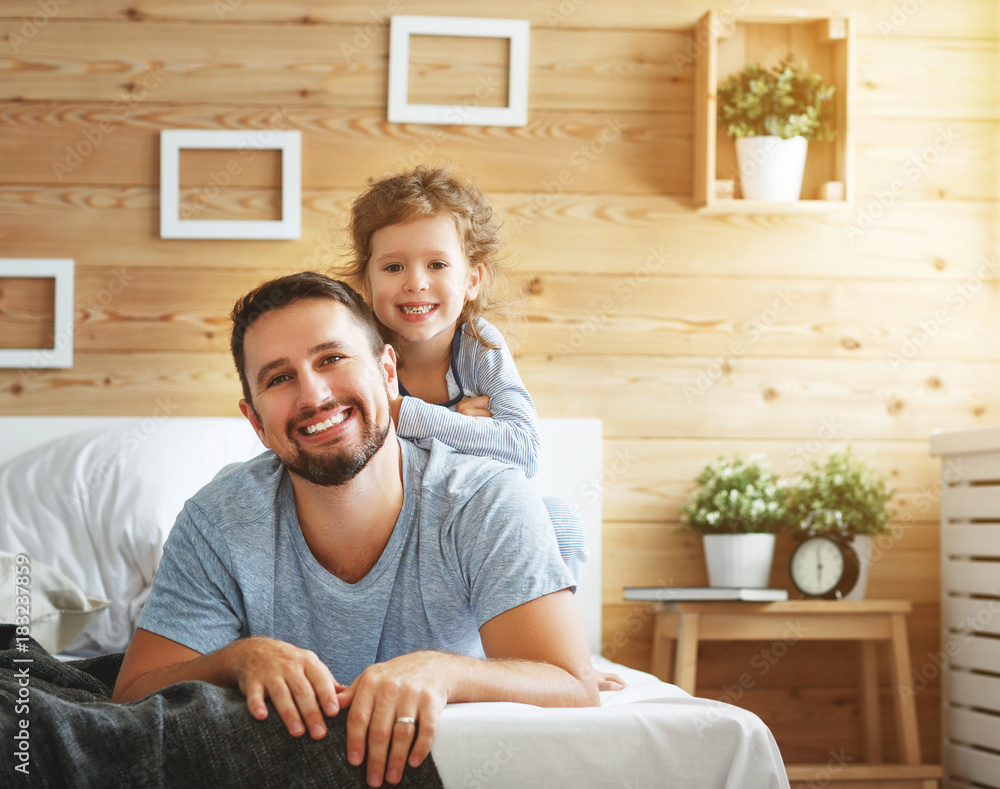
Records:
x=216, y=668
x=523, y=681
x=300, y=687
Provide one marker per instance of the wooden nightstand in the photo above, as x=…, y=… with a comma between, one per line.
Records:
x=865, y=621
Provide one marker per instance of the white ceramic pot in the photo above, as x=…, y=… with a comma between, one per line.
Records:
x=742, y=560
x=863, y=548
x=771, y=168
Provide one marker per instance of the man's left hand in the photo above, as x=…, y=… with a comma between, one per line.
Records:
x=409, y=686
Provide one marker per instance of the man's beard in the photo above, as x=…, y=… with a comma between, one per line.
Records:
x=338, y=466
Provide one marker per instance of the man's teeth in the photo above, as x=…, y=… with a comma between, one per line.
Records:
x=417, y=310
x=333, y=420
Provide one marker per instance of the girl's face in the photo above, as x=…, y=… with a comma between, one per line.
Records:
x=419, y=278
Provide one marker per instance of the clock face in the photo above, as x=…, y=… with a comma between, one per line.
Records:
x=817, y=566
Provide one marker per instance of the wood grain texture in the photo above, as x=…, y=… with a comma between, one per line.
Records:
x=454, y=70
x=280, y=65
x=27, y=308
x=724, y=319
x=622, y=235
x=570, y=70
x=883, y=18
x=901, y=85
x=649, y=479
x=556, y=153
x=129, y=384
x=927, y=159
x=758, y=399
x=583, y=151
x=729, y=318
x=254, y=63
x=954, y=243
x=764, y=398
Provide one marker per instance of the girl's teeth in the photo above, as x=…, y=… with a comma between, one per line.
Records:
x=333, y=420
x=417, y=310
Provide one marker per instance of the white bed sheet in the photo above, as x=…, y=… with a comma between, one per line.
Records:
x=650, y=734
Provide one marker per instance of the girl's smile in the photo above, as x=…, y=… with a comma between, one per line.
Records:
x=416, y=312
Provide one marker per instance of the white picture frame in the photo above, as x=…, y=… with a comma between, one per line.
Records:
x=173, y=141
x=60, y=356
x=402, y=111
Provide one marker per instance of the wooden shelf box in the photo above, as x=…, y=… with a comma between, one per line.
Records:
x=725, y=44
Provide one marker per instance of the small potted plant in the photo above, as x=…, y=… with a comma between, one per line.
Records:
x=849, y=485
x=773, y=114
x=738, y=507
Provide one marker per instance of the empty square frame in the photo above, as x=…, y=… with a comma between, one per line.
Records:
x=400, y=109
x=290, y=145
x=61, y=354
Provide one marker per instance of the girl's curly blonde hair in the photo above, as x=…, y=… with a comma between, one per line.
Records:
x=439, y=191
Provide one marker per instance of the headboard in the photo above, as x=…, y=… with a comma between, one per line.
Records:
x=570, y=468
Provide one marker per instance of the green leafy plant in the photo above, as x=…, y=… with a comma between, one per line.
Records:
x=847, y=484
x=786, y=101
x=737, y=498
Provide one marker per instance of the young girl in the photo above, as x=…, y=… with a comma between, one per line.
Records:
x=425, y=248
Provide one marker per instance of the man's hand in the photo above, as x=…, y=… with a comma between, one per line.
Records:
x=295, y=680
x=298, y=684
x=409, y=686
x=474, y=406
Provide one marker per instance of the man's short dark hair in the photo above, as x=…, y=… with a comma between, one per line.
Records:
x=277, y=293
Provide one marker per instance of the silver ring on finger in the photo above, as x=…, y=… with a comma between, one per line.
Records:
x=406, y=719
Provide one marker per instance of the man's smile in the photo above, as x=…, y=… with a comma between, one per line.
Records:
x=319, y=427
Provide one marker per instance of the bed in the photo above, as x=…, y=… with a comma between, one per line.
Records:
x=92, y=499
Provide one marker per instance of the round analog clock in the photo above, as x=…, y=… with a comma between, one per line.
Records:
x=825, y=566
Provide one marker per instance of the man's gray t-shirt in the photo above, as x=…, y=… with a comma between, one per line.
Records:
x=472, y=541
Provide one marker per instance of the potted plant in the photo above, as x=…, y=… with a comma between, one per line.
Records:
x=738, y=507
x=849, y=485
x=773, y=114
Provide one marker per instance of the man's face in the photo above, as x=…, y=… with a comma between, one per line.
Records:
x=320, y=400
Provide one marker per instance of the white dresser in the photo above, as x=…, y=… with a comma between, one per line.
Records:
x=969, y=660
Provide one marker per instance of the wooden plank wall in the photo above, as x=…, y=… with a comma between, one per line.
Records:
x=690, y=335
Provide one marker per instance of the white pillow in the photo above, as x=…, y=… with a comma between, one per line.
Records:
x=97, y=507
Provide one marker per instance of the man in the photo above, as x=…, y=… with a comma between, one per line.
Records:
x=350, y=557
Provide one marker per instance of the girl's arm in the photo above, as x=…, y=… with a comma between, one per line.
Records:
x=510, y=436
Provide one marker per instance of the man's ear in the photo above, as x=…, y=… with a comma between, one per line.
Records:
x=251, y=416
x=389, y=371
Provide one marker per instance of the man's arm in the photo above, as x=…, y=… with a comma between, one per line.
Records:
x=295, y=680
x=537, y=654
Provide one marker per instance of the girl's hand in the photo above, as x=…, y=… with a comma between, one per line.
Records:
x=474, y=406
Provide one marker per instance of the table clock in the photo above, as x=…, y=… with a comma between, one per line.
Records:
x=824, y=565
